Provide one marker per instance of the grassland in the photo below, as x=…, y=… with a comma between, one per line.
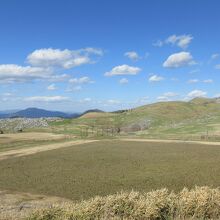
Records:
x=107, y=167
x=167, y=120
x=28, y=140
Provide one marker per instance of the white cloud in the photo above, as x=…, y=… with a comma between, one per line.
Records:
x=132, y=55
x=217, y=95
x=48, y=57
x=217, y=66
x=170, y=94
x=194, y=71
x=215, y=56
x=196, y=93
x=51, y=87
x=74, y=88
x=167, y=96
x=123, y=70
x=10, y=73
x=193, y=81
x=113, y=102
x=158, y=43
x=155, y=78
x=82, y=80
x=178, y=60
x=77, y=82
x=181, y=41
x=143, y=100
x=162, y=98
x=123, y=81
x=15, y=73
x=85, y=100
x=174, y=79
x=58, y=78
x=47, y=99
x=208, y=81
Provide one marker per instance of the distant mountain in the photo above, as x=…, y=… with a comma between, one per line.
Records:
x=38, y=113
x=91, y=111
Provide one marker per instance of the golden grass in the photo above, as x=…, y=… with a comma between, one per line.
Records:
x=198, y=203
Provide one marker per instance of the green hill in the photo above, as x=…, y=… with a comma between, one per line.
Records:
x=176, y=119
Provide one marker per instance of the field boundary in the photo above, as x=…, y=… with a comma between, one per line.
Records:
x=170, y=141
x=33, y=150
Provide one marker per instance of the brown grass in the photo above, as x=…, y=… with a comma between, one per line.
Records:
x=198, y=203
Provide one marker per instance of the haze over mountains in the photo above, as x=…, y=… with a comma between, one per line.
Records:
x=39, y=113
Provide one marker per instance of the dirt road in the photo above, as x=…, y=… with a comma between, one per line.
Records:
x=33, y=150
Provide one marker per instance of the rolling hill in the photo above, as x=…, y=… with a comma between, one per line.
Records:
x=173, y=120
x=38, y=113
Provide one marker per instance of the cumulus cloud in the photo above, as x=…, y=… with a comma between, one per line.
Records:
x=132, y=55
x=155, y=78
x=82, y=80
x=10, y=73
x=47, y=99
x=178, y=60
x=196, y=93
x=123, y=81
x=51, y=87
x=123, y=70
x=181, y=41
x=16, y=73
x=66, y=59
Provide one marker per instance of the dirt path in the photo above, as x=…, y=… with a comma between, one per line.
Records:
x=33, y=150
x=16, y=205
x=171, y=141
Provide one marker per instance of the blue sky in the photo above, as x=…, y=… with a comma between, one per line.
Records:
x=76, y=55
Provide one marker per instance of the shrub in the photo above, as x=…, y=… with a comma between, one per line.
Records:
x=198, y=203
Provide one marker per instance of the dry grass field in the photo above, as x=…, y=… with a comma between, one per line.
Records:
x=41, y=169
x=106, y=167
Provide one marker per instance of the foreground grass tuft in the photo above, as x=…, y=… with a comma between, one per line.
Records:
x=198, y=203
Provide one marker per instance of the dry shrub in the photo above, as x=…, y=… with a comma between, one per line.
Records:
x=198, y=203
x=201, y=202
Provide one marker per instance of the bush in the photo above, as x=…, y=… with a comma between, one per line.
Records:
x=198, y=203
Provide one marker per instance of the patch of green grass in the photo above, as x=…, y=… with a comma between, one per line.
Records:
x=106, y=167
x=175, y=120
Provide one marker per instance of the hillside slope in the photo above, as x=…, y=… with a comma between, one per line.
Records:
x=175, y=120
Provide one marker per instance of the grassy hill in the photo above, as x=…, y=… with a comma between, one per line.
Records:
x=175, y=120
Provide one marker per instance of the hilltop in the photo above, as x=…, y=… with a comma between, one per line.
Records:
x=174, y=119
x=195, y=119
